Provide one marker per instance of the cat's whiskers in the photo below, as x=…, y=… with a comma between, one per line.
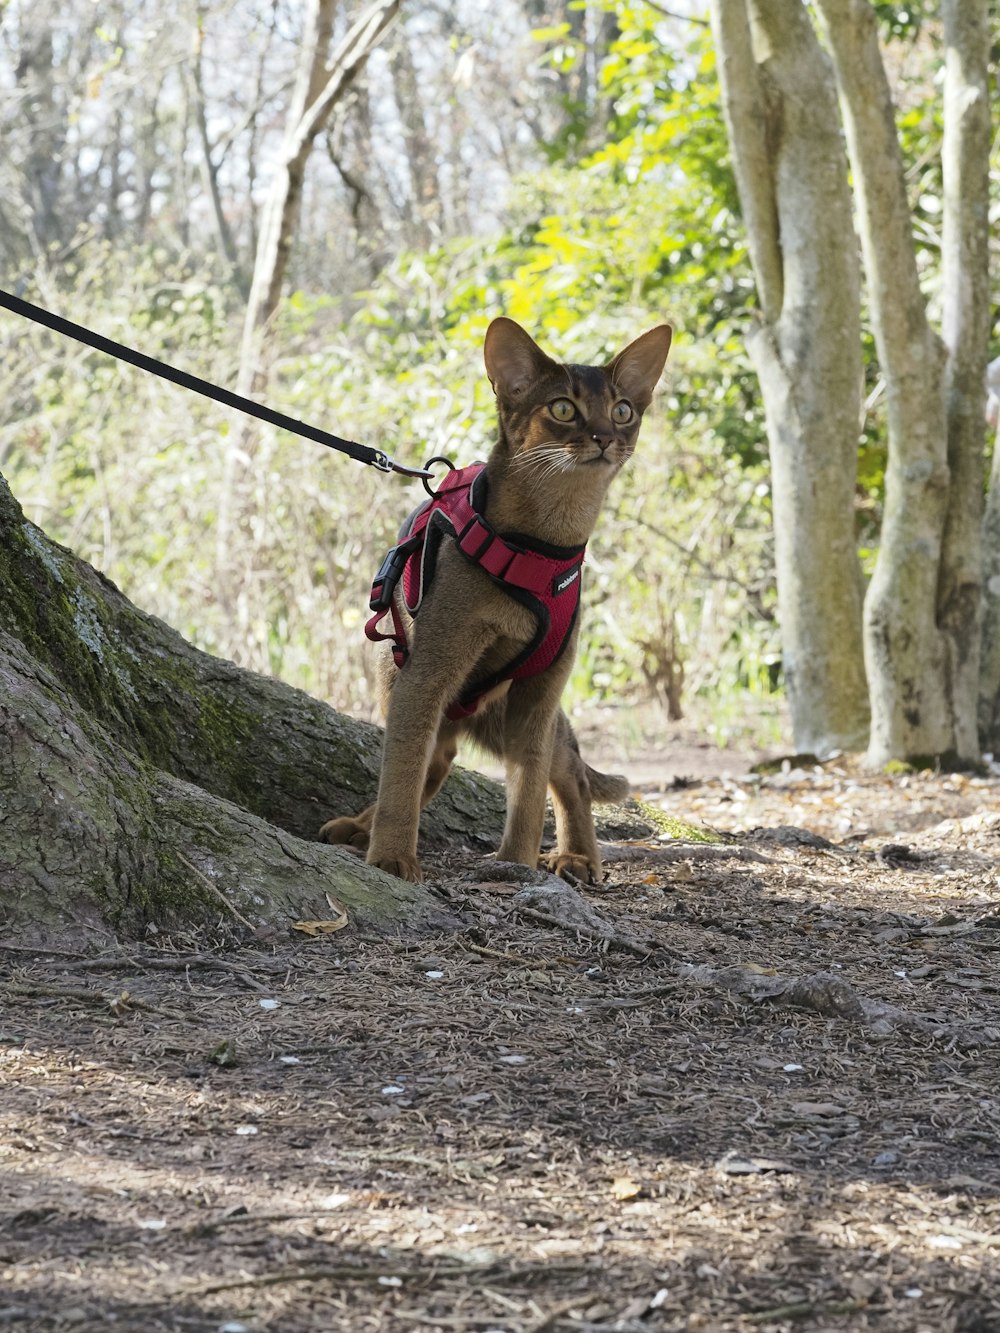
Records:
x=538, y=471
x=548, y=457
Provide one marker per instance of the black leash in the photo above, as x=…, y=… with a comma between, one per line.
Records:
x=362, y=452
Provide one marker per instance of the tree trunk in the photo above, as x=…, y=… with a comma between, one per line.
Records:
x=921, y=627
x=142, y=781
x=319, y=87
x=966, y=332
x=903, y=645
x=43, y=124
x=421, y=226
x=791, y=171
x=210, y=172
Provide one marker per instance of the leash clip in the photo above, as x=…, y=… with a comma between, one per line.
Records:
x=384, y=463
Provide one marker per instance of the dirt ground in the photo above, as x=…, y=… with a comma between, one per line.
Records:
x=758, y=1089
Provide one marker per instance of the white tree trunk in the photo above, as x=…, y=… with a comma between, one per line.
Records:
x=781, y=111
x=989, y=658
x=921, y=610
x=966, y=331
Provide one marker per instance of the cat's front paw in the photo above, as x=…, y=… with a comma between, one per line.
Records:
x=346, y=831
x=574, y=866
x=403, y=867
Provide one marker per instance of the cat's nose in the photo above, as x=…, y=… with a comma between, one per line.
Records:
x=602, y=439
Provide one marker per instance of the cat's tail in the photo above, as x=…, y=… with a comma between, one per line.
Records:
x=607, y=787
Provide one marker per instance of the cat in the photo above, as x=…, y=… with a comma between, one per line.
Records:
x=474, y=660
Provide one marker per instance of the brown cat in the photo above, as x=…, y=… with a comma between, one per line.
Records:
x=495, y=576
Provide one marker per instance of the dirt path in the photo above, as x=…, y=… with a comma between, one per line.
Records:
x=769, y=1099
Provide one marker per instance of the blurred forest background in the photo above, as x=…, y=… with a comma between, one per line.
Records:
x=563, y=162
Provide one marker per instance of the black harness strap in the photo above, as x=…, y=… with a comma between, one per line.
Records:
x=362, y=452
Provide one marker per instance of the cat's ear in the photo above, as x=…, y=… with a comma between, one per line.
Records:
x=636, y=369
x=513, y=358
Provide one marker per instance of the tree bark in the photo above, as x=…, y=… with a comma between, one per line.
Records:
x=966, y=331
x=989, y=657
x=905, y=651
x=320, y=85
x=142, y=781
x=781, y=113
x=44, y=122
x=210, y=172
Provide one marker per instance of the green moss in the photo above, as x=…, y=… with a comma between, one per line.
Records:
x=674, y=828
x=948, y=762
x=897, y=767
x=158, y=709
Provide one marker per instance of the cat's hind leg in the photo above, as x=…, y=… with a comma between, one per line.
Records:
x=349, y=830
x=576, y=853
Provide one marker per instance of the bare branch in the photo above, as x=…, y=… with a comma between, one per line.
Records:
x=672, y=14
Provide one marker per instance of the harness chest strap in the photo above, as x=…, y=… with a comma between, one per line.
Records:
x=544, y=579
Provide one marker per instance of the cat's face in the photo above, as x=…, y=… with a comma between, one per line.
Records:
x=562, y=419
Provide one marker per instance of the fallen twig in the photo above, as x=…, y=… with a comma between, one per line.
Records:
x=611, y=941
x=671, y=852
x=123, y=999
x=207, y=1227
x=214, y=888
x=519, y=960
x=827, y=994
x=179, y=964
x=803, y=1309
x=345, y=1272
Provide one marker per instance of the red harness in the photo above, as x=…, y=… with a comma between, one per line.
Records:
x=545, y=579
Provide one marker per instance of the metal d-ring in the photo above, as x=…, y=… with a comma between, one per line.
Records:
x=425, y=481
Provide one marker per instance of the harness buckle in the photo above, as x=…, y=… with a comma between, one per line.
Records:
x=389, y=573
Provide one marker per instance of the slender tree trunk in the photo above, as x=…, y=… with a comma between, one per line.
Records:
x=989, y=658
x=420, y=228
x=781, y=112
x=921, y=609
x=966, y=331
x=210, y=174
x=43, y=117
x=319, y=87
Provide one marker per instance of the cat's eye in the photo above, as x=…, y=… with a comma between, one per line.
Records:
x=562, y=409
x=622, y=412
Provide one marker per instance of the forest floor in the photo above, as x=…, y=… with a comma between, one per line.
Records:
x=759, y=1089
